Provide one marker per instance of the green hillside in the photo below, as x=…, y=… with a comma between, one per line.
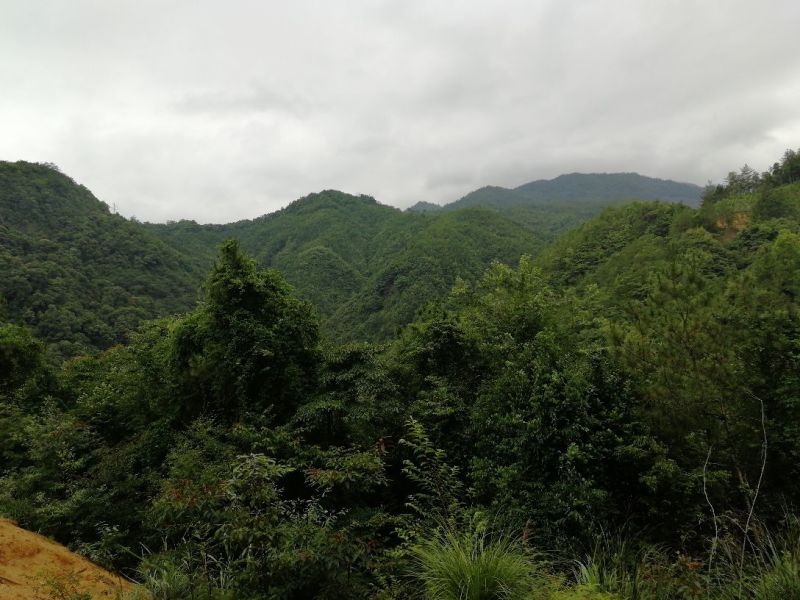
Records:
x=367, y=267
x=492, y=196
x=78, y=275
x=626, y=401
x=552, y=206
x=599, y=187
x=733, y=222
x=615, y=418
x=424, y=207
x=421, y=265
x=83, y=278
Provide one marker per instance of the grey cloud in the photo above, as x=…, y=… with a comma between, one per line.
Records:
x=219, y=112
x=448, y=180
x=255, y=100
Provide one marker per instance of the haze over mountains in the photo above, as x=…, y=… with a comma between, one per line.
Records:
x=82, y=277
x=589, y=188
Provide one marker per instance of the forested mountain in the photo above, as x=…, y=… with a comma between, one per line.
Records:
x=78, y=275
x=551, y=206
x=577, y=188
x=424, y=207
x=367, y=267
x=83, y=277
x=612, y=419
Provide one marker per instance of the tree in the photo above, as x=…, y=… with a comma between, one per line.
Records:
x=21, y=357
x=250, y=346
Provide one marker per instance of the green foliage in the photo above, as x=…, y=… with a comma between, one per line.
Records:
x=503, y=386
x=165, y=580
x=786, y=171
x=639, y=377
x=780, y=581
x=251, y=320
x=21, y=357
x=582, y=251
x=367, y=267
x=621, y=569
x=583, y=592
x=475, y=565
x=63, y=586
x=79, y=276
x=439, y=485
x=748, y=181
x=83, y=278
x=230, y=520
x=778, y=203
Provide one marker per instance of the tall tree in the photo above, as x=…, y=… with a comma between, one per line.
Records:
x=250, y=346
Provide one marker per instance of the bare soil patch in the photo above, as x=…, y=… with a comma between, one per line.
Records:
x=32, y=567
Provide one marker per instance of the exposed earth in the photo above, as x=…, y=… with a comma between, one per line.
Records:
x=35, y=568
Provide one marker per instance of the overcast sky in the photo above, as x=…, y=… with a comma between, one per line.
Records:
x=218, y=111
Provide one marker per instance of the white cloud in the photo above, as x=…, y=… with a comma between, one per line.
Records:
x=221, y=111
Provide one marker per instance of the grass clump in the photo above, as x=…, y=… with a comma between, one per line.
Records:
x=780, y=582
x=476, y=565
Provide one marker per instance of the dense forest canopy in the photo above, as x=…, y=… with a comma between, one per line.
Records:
x=613, y=415
x=83, y=277
x=79, y=275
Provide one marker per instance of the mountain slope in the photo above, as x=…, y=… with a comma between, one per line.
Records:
x=552, y=206
x=32, y=566
x=367, y=267
x=78, y=275
x=424, y=265
x=577, y=189
x=82, y=277
x=599, y=187
x=619, y=249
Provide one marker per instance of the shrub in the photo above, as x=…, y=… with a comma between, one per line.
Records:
x=474, y=565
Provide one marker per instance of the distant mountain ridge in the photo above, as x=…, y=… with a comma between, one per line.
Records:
x=82, y=277
x=366, y=266
x=423, y=206
x=591, y=188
